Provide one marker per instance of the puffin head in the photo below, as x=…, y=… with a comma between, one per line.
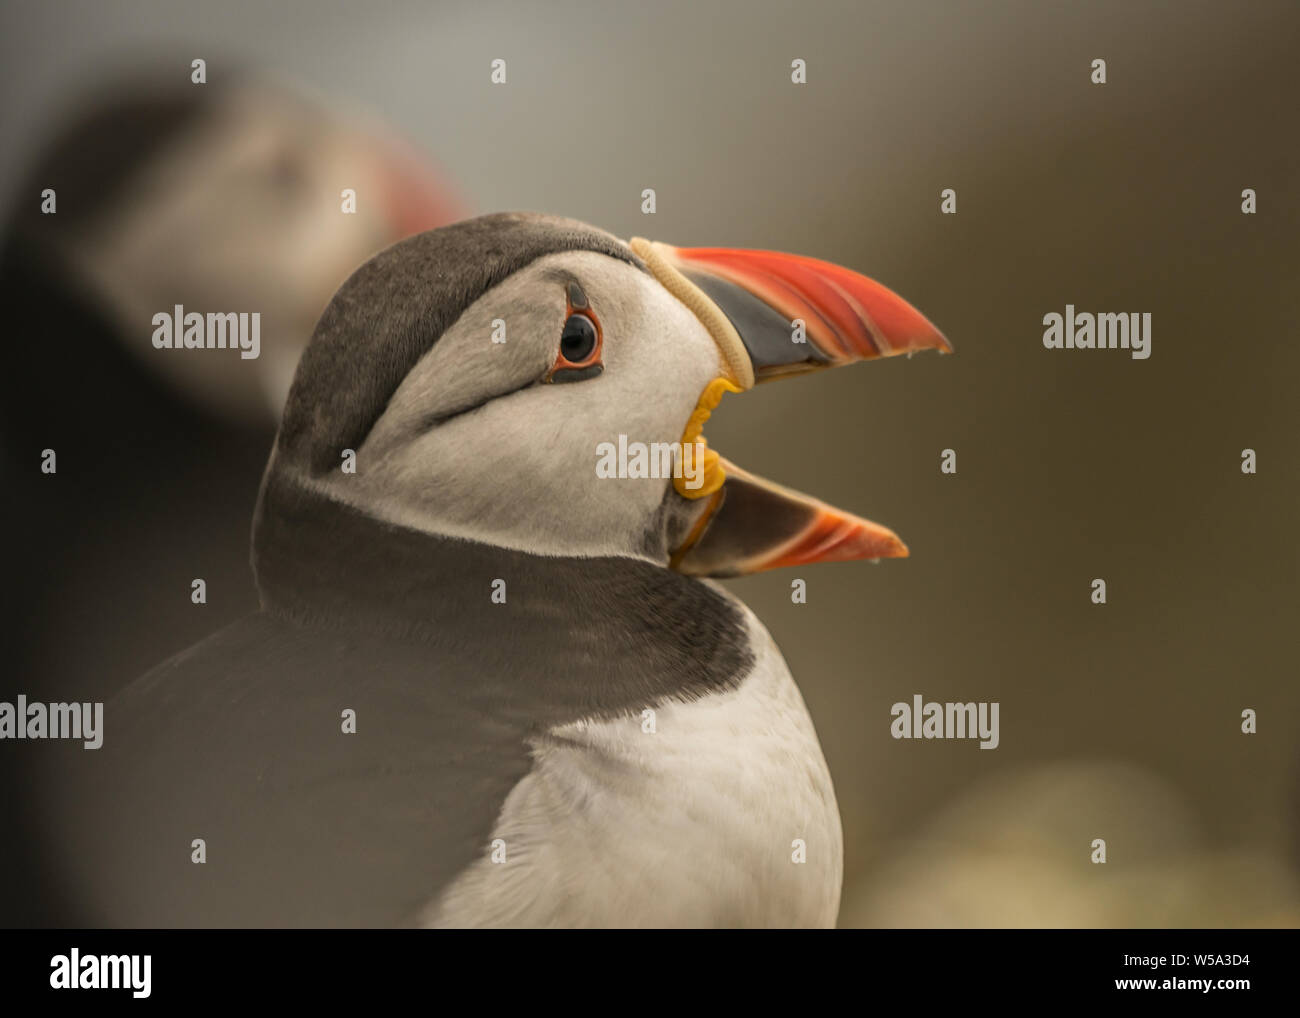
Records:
x=223, y=198
x=534, y=383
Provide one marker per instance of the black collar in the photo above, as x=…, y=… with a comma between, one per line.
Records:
x=588, y=635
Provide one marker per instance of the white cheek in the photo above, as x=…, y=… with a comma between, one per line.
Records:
x=656, y=377
x=522, y=477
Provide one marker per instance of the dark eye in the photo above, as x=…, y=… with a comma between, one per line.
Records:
x=579, y=355
x=578, y=341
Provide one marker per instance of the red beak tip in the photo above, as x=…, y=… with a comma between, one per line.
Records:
x=893, y=549
x=936, y=340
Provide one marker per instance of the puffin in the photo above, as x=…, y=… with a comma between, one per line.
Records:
x=488, y=684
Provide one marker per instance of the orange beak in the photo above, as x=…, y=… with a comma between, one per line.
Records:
x=775, y=315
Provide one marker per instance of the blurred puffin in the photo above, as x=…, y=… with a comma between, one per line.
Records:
x=497, y=619
x=222, y=197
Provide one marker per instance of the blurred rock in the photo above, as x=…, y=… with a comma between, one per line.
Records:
x=1016, y=852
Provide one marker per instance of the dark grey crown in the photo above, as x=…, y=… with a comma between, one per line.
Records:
x=393, y=309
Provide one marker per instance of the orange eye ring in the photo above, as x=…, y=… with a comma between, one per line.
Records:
x=581, y=342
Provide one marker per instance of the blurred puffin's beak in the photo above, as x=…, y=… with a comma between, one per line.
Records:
x=415, y=197
x=775, y=315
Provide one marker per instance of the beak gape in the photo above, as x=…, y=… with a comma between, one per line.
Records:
x=775, y=315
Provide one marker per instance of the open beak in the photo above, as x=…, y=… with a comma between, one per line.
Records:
x=775, y=315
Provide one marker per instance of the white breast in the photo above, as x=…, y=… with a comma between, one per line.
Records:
x=697, y=824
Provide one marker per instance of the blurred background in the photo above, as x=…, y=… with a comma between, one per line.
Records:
x=1119, y=721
